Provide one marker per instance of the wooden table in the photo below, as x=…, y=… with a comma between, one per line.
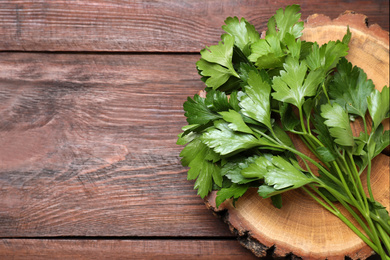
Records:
x=91, y=96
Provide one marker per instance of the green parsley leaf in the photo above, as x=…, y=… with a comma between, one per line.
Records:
x=379, y=106
x=337, y=120
x=236, y=121
x=244, y=33
x=233, y=101
x=380, y=140
x=306, y=48
x=197, y=111
x=217, y=101
x=287, y=22
x=327, y=56
x=235, y=191
x=192, y=150
x=277, y=201
x=325, y=154
x=188, y=134
x=208, y=172
x=246, y=68
x=283, y=29
x=201, y=160
x=230, y=85
x=216, y=62
x=282, y=176
x=291, y=86
x=225, y=141
x=267, y=53
x=236, y=164
x=350, y=88
x=293, y=45
x=288, y=118
x=232, y=170
x=221, y=54
x=266, y=191
x=347, y=37
x=215, y=75
x=382, y=212
x=257, y=169
x=323, y=133
x=282, y=136
x=256, y=103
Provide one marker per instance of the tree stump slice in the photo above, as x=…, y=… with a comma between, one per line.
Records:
x=303, y=228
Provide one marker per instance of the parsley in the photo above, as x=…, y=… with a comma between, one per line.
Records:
x=237, y=137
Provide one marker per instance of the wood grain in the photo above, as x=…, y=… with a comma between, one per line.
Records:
x=122, y=249
x=88, y=146
x=146, y=26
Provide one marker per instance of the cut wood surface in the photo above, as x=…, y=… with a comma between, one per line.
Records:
x=302, y=227
x=145, y=26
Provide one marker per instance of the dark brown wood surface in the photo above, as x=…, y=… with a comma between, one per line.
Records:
x=91, y=96
x=123, y=249
x=144, y=26
x=88, y=146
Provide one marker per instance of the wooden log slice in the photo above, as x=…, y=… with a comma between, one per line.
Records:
x=302, y=228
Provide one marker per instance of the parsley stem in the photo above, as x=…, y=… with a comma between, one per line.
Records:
x=380, y=221
x=355, y=179
x=301, y=119
x=296, y=132
x=319, y=166
x=338, y=214
x=373, y=235
x=311, y=146
x=308, y=144
x=363, y=202
x=353, y=213
x=369, y=179
x=326, y=92
x=365, y=125
x=323, y=197
x=385, y=237
x=276, y=138
x=316, y=140
x=277, y=144
x=343, y=181
x=309, y=138
x=350, y=210
x=376, y=239
x=359, y=202
x=364, y=197
x=333, y=210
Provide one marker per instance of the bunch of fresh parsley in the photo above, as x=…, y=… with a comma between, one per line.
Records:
x=262, y=90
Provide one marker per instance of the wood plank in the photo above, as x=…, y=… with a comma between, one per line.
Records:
x=122, y=249
x=147, y=26
x=88, y=147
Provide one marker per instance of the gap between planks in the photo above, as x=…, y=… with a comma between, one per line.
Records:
x=173, y=53
x=123, y=238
